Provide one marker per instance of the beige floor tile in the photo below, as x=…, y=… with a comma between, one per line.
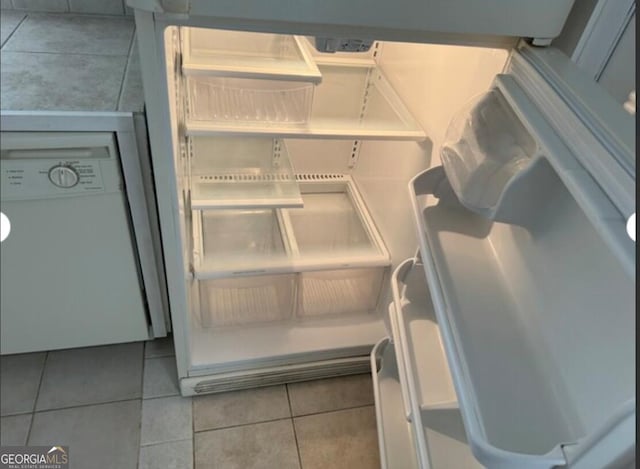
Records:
x=166, y=419
x=19, y=381
x=172, y=455
x=240, y=407
x=104, y=436
x=267, y=445
x=14, y=430
x=91, y=375
x=325, y=395
x=160, y=378
x=346, y=439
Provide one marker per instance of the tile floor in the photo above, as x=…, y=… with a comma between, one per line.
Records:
x=119, y=406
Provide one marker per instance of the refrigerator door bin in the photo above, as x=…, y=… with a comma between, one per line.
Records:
x=246, y=300
x=395, y=436
x=506, y=298
x=215, y=52
x=418, y=342
x=339, y=292
x=232, y=172
x=434, y=439
x=351, y=102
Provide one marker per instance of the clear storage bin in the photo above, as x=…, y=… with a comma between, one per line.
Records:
x=345, y=291
x=330, y=226
x=242, y=54
x=486, y=147
x=246, y=300
x=246, y=100
x=237, y=240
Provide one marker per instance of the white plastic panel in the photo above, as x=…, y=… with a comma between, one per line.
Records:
x=230, y=172
x=215, y=52
x=382, y=19
x=351, y=102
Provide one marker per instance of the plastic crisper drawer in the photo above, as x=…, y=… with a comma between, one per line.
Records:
x=231, y=241
x=332, y=231
x=241, y=172
x=214, y=52
x=246, y=300
x=351, y=102
x=339, y=292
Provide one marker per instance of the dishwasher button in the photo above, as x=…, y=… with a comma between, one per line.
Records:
x=63, y=176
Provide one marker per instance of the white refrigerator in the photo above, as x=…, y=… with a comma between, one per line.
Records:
x=421, y=190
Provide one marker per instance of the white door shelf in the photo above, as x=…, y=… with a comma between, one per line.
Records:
x=520, y=308
x=332, y=231
x=214, y=52
x=241, y=173
x=434, y=439
x=351, y=102
x=395, y=435
x=418, y=342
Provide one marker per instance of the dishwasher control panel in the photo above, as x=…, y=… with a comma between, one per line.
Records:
x=47, y=165
x=30, y=179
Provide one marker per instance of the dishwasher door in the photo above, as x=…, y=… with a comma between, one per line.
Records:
x=68, y=269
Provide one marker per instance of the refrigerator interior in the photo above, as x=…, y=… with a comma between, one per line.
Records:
x=293, y=284
x=379, y=147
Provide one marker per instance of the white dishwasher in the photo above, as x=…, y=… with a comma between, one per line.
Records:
x=69, y=269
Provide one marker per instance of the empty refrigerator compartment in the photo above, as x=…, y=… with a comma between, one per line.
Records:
x=529, y=317
x=237, y=241
x=487, y=150
x=241, y=173
x=351, y=102
x=419, y=341
x=339, y=292
x=246, y=300
x=214, y=52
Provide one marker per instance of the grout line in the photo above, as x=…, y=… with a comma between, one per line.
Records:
x=293, y=425
x=335, y=410
x=128, y=399
x=144, y=347
x=26, y=15
x=35, y=401
x=241, y=425
x=151, y=398
x=164, y=442
x=281, y=418
x=67, y=54
x=124, y=75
